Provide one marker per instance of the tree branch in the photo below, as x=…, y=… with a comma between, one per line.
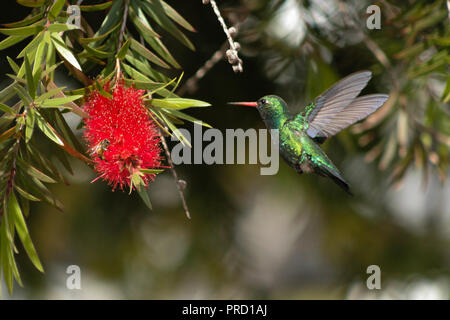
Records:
x=232, y=53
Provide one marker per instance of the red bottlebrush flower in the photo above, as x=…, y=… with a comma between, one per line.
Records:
x=121, y=136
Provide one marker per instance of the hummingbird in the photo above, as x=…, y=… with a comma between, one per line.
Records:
x=300, y=135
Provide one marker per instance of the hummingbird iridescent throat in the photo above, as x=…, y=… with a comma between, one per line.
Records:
x=332, y=111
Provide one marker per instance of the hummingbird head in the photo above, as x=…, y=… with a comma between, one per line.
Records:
x=273, y=110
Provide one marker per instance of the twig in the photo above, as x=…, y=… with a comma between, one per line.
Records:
x=121, y=33
x=123, y=26
x=181, y=184
x=232, y=53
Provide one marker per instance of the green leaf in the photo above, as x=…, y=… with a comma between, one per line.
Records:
x=13, y=65
x=32, y=171
x=123, y=51
x=181, y=115
x=22, y=31
x=148, y=85
x=22, y=23
x=47, y=130
x=446, y=94
x=150, y=56
x=155, y=42
x=97, y=53
x=49, y=70
x=61, y=47
x=442, y=41
x=102, y=91
x=142, y=191
x=29, y=124
x=156, y=11
x=6, y=109
x=50, y=61
x=96, y=7
x=17, y=79
x=60, y=101
x=178, y=103
x=175, y=16
x=67, y=132
x=140, y=25
x=29, y=77
x=26, y=194
x=112, y=18
x=10, y=41
x=23, y=94
x=31, y=3
x=151, y=171
x=99, y=38
x=173, y=128
x=411, y=51
x=55, y=9
x=29, y=49
x=61, y=27
x=145, y=68
x=37, y=63
x=133, y=73
x=39, y=189
x=49, y=94
x=5, y=254
x=439, y=60
x=8, y=92
x=22, y=231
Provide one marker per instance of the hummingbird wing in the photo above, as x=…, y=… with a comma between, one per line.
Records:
x=358, y=109
x=333, y=101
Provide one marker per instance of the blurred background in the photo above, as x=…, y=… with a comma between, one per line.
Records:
x=286, y=236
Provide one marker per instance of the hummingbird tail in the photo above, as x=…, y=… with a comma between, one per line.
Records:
x=337, y=178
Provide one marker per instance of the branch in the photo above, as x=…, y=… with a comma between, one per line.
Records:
x=232, y=53
x=181, y=184
x=121, y=33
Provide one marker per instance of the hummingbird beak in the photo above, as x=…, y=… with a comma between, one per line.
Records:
x=247, y=104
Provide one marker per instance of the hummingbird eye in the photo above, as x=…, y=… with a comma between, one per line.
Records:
x=263, y=101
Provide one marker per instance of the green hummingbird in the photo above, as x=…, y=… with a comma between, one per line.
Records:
x=300, y=135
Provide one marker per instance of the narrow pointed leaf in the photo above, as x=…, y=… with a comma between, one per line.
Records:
x=6, y=109
x=22, y=31
x=32, y=171
x=178, y=103
x=29, y=124
x=156, y=11
x=22, y=231
x=175, y=16
x=142, y=191
x=10, y=41
x=31, y=3
x=151, y=171
x=22, y=23
x=60, y=101
x=55, y=9
x=47, y=129
x=26, y=194
x=123, y=51
x=64, y=51
x=96, y=7
x=150, y=56
x=61, y=27
x=29, y=76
